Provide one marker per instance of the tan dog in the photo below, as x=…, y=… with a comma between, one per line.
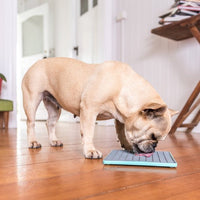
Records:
x=98, y=91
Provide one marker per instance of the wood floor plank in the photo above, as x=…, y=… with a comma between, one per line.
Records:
x=161, y=189
x=63, y=173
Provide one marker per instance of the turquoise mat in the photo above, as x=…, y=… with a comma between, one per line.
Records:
x=157, y=159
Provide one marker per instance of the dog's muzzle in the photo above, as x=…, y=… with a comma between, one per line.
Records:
x=145, y=146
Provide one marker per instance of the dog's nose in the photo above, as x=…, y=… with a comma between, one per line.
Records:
x=150, y=148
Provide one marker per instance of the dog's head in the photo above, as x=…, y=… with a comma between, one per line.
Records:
x=149, y=125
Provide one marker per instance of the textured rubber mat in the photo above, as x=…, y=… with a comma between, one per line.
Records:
x=157, y=159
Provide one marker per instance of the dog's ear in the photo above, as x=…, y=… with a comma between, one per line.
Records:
x=153, y=110
x=173, y=112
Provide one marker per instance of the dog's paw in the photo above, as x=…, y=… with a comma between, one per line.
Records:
x=93, y=154
x=56, y=143
x=35, y=145
x=127, y=147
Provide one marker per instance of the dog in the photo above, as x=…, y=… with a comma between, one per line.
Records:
x=111, y=90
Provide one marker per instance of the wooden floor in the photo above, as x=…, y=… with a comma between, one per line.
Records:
x=63, y=173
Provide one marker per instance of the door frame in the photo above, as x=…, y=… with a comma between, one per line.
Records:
x=27, y=14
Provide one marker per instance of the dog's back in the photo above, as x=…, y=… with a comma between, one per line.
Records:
x=63, y=78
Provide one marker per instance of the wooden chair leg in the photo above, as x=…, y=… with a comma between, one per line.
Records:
x=6, y=119
x=186, y=108
x=195, y=121
x=1, y=120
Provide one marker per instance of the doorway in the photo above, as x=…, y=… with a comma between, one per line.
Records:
x=76, y=29
x=32, y=46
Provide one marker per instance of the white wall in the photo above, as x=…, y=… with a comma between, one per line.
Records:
x=104, y=30
x=173, y=68
x=8, y=10
x=23, y=5
x=66, y=35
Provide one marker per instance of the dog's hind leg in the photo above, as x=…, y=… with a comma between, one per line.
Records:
x=30, y=103
x=54, y=111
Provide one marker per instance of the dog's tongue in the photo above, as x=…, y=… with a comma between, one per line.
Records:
x=145, y=154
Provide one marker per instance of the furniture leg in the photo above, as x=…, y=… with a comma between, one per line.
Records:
x=185, y=109
x=6, y=119
x=1, y=120
x=195, y=121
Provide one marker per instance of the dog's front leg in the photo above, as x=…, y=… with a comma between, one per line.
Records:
x=87, y=122
x=120, y=130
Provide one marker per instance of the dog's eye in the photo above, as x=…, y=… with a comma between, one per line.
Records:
x=153, y=137
x=154, y=113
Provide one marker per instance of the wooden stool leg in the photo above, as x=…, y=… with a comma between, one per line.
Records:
x=6, y=119
x=195, y=121
x=1, y=120
x=186, y=108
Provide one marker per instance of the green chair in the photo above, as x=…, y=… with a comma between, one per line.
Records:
x=5, y=107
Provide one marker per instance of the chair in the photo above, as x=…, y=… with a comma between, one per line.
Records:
x=5, y=107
